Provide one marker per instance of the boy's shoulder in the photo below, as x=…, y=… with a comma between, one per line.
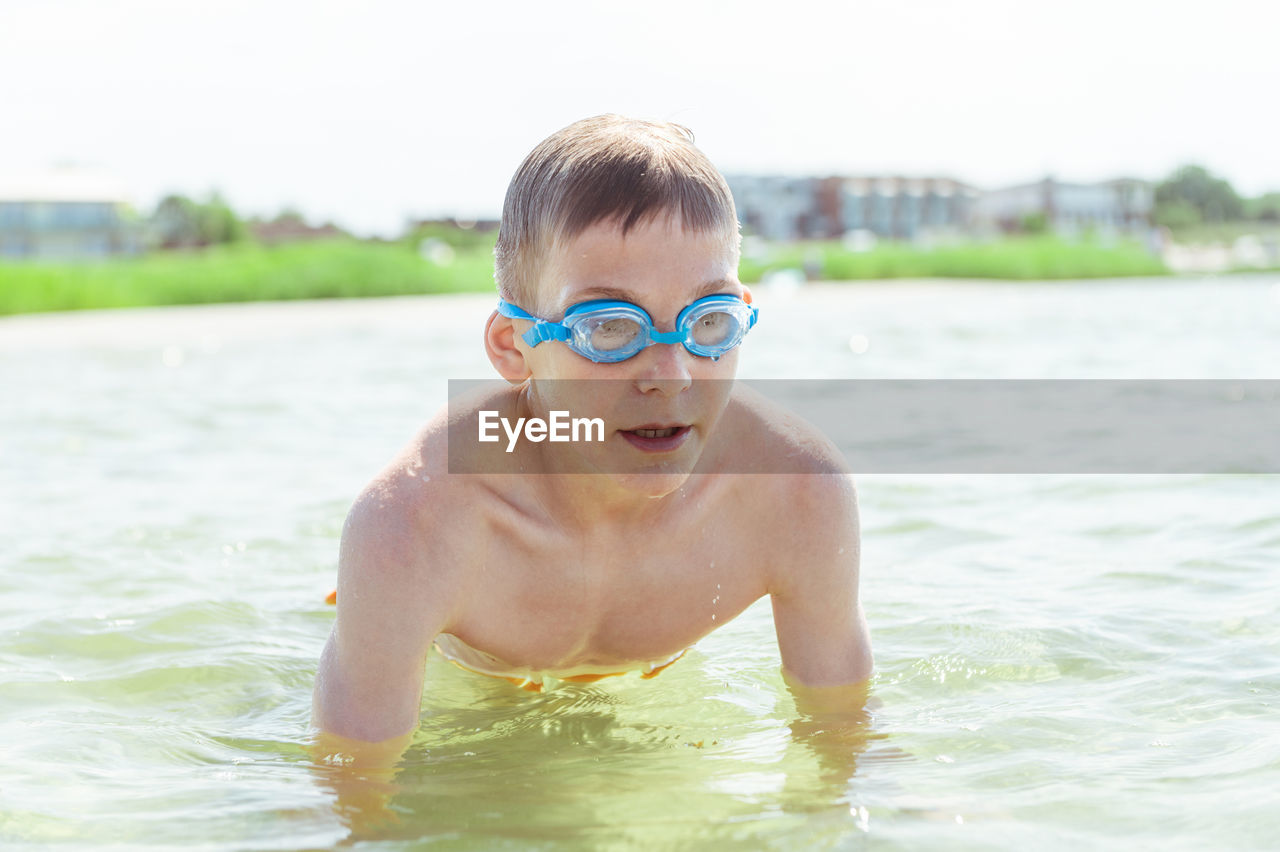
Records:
x=761, y=436
x=796, y=480
x=414, y=509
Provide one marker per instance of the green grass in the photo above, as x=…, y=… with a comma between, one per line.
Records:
x=240, y=273
x=349, y=268
x=1010, y=258
x=1225, y=232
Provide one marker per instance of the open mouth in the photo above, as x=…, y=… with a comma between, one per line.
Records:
x=656, y=433
x=655, y=438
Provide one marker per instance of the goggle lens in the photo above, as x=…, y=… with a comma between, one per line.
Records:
x=713, y=329
x=613, y=335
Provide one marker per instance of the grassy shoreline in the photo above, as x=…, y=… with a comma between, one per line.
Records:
x=1009, y=258
x=352, y=269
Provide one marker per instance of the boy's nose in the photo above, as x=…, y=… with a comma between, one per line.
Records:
x=665, y=368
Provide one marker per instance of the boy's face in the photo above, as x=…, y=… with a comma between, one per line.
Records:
x=658, y=408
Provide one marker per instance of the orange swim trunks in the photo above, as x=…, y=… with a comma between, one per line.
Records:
x=465, y=657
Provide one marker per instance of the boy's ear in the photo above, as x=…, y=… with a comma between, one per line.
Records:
x=746, y=294
x=500, y=345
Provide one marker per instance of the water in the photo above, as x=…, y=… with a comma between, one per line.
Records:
x=1062, y=661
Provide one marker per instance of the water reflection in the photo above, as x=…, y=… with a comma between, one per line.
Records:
x=582, y=765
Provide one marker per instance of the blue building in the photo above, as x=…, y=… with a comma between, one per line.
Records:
x=905, y=208
x=780, y=208
x=65, y=214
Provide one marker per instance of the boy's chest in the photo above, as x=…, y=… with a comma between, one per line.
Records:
x=551, y=603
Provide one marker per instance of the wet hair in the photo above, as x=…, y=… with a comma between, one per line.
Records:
x=609, y=168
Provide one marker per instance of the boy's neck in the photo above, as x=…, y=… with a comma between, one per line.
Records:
x=595, y=500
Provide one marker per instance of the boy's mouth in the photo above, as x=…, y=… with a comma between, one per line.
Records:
x=656, y=433
x=656, y=438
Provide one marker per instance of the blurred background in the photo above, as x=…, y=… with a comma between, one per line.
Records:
x=337, y=148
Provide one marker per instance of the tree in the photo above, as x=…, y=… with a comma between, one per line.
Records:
x=180, y=222
x=1176, y=214
x=219, y=223
x=1265, y=208
x=176, y=222
x=1035, y=223
x=1211, y=197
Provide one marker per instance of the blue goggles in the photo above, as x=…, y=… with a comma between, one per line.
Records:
x=608, y=331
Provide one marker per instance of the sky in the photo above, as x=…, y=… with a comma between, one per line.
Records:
x=369, y=113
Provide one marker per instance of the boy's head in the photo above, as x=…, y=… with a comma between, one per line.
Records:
x=604, y=169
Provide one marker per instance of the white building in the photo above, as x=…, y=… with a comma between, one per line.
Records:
x=65, y=213
x=1123, y=204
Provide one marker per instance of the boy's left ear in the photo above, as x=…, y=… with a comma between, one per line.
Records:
x=746, y=294
x=504, y=353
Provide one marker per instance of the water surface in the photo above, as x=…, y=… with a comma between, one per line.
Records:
x=1061, y=660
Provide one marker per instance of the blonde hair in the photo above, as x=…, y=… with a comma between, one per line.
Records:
x=606, y=168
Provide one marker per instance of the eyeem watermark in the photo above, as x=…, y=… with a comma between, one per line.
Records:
x=560, y=428
x=947, y=426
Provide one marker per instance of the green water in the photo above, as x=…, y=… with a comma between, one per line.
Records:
x=1062, y=661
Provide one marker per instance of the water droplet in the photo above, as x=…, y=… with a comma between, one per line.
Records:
x=859, y=344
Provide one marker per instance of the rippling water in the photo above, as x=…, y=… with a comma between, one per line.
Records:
x=1061, y=660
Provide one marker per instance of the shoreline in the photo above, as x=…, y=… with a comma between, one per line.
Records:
x=229, y=321
x=344, y=269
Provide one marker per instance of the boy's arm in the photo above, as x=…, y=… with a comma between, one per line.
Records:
x=822, y=632
x=369, y=685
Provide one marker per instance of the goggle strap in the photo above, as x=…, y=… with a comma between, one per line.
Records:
x=513, y=311
x=544, y=331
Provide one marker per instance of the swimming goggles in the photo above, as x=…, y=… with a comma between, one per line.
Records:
x=607, y=331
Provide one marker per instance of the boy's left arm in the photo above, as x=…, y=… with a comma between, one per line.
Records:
x=822, y=633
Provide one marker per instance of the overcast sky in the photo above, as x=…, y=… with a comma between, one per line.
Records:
x=369, y=112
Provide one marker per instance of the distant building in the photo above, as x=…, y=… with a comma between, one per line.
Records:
x=65, y=214
x=1123, y=204
x=904, y=208
x=781, y=208
x=480, y=226
x=292, y=229
x=791, y=208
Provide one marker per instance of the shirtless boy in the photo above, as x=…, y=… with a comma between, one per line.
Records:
x=609, y=556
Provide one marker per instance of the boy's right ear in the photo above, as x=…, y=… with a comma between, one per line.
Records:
x=505, y=354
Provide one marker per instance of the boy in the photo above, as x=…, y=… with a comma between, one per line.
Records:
x=617, y=269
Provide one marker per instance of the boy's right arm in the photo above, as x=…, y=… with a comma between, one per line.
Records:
x=369, y=685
